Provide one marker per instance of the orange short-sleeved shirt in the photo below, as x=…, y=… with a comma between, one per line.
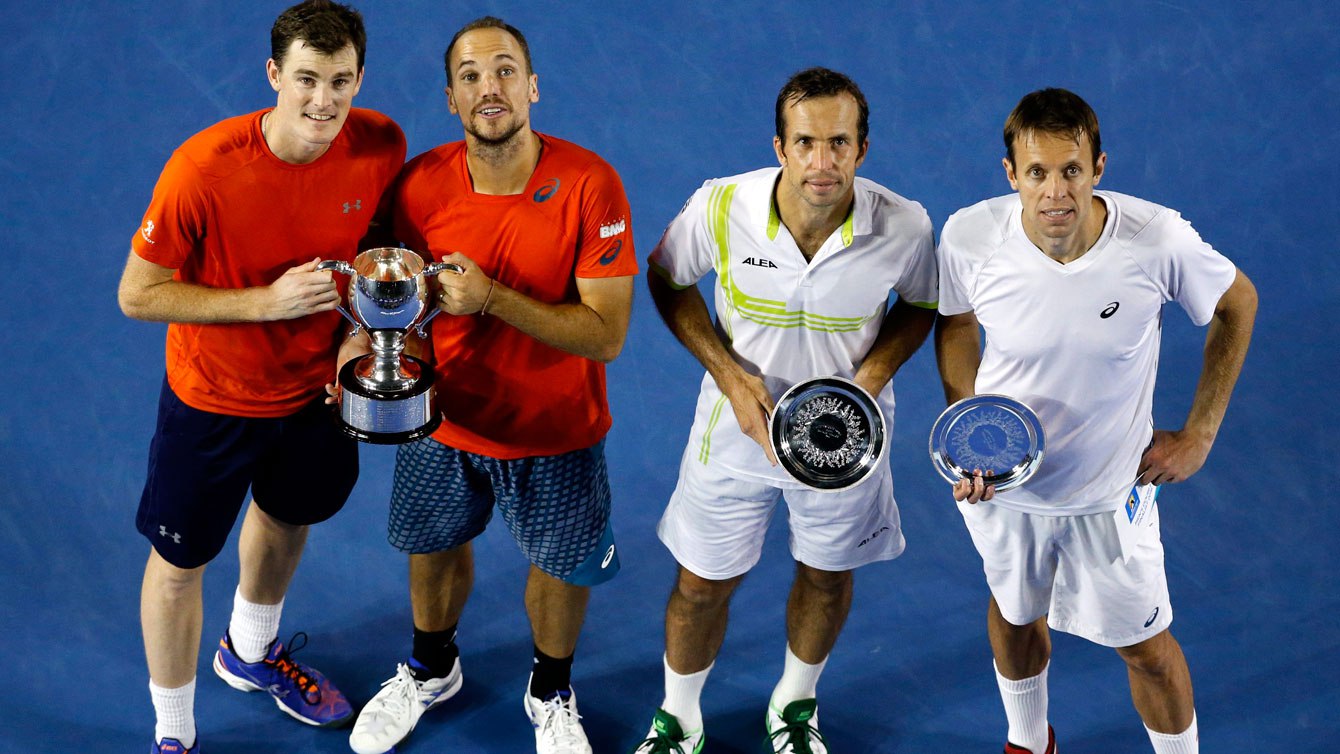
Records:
x=227, y=213
x=503, y=393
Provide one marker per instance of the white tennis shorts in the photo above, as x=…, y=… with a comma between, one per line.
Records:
x=715, y=521
x=1070, y=569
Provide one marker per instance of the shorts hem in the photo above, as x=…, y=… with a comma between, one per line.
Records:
x=1105, y=640
x=878, y=557
x=704, y=573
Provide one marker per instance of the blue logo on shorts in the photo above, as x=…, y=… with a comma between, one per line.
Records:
x=1152, y=616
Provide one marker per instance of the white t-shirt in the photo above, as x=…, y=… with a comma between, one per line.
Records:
x=781, y=317
x=1078, y=342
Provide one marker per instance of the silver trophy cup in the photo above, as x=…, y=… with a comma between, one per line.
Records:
x=386, y=397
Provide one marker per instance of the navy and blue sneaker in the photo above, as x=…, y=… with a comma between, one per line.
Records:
x=300, y=691
x=173, y=746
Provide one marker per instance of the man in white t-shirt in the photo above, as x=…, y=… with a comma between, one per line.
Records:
x=806, y=256
x=1068, y=284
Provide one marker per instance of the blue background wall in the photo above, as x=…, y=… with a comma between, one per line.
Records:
x=1226, y=112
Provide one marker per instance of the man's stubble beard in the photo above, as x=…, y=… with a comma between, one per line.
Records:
x=497, y=148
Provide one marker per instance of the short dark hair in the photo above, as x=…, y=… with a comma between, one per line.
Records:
x=1052, y=111
x=325, y=26
x=821, y=82
x=488, y=22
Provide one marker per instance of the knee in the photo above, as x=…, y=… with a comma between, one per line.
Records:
x=829, y=583
x=169, y=581
x=704, y=593
x=1156, y=656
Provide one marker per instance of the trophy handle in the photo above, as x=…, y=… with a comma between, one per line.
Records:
x=432, y=270
x=437, y=267
x=338, y=265
x=341, y=266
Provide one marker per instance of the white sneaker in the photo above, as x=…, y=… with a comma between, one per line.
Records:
x=558, y=727
x=389, y=716
x=795, y=729
x=667, y=736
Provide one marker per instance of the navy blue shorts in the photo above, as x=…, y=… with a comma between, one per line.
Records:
x=300, y=468
x=556, y=507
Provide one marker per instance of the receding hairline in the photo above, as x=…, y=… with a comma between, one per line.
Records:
x=1074, y=136
x=799, y=98
x=518, y=57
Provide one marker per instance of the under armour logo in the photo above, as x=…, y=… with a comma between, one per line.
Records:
x=174, y=536
x=147, y=231
x=358, y=204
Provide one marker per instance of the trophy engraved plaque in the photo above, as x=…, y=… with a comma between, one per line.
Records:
x=994, y=433
x=386, y=396
x=828, y=433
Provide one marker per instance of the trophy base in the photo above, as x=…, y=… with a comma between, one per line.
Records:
x=387, y=417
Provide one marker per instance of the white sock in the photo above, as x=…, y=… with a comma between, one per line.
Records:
x=175, y=712
x=1026, y=709
x=800, y=680
x=683, y=694
x=1186, y=742
x=253, y=627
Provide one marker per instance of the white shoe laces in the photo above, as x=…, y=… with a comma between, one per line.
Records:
x=402, y=694
x=559, y=725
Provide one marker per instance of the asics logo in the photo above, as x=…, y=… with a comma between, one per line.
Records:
x=147, y=231
x=549, y=188
x=609, y=555
x=608, y=257
x=1152, y=616
x=1110, y=310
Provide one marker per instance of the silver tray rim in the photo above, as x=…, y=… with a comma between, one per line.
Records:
x=870, y=461
x=1016, y=475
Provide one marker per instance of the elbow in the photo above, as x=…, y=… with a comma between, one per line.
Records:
x=608, y=349
x=132, y=305
x=607, y=352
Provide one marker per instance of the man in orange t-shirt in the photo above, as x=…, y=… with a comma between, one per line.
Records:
x=541, y=230
x=227, y=255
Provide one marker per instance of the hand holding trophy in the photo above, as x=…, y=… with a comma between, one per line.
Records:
x=386, y=396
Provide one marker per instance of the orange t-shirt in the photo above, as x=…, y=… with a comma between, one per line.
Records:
x=227, y=213
x=503, y=393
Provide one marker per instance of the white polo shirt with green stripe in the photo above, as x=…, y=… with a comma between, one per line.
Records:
x=782, y=317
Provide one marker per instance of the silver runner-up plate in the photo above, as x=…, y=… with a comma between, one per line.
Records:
x=828, y=433
x=994, y=433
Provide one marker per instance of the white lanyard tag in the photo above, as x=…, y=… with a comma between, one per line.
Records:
x=1135, y=518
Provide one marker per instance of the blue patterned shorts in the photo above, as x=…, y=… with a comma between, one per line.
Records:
x=556, y=507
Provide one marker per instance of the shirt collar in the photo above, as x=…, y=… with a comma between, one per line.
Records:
x=858, y=222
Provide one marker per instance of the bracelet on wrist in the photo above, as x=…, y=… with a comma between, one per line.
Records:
x=484, y=309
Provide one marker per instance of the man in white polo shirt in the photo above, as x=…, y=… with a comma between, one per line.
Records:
x=806, y=256
x=1069, y=285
